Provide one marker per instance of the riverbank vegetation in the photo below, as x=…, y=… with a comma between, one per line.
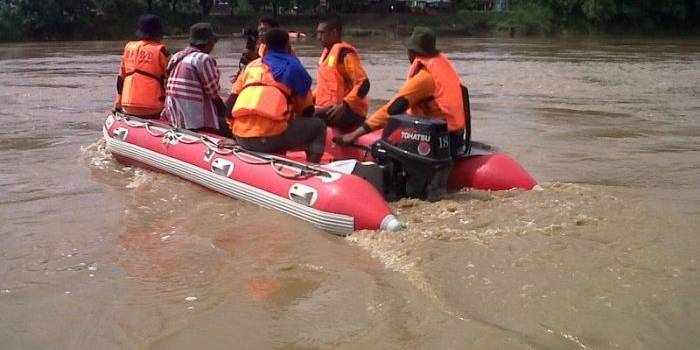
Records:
x=22, y=20
x=602, y=16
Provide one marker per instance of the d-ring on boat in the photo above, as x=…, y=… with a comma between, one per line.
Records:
x=340, y=196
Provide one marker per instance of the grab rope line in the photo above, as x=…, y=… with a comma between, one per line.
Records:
x=186, y=139
x=153, y=133
x=277, y=168
x=238, y=151
x=250, y=157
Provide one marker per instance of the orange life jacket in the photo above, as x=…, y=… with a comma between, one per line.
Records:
x=262, y=49
x=448, y=92
x=143, y=81
x=331, y=86
x=263, y=103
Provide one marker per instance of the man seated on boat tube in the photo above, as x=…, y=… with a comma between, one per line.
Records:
x=432, y=89
x=192, y=98
x=272, y=107
x=141, y=80
x=341, y=81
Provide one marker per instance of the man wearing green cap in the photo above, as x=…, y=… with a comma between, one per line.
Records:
x=432, y=90
x=192, y=98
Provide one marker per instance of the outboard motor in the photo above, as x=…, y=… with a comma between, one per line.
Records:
x=415, y=155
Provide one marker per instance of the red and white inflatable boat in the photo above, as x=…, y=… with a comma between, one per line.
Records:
x=329, y=196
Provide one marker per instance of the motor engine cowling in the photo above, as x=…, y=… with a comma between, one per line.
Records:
x=415, y=154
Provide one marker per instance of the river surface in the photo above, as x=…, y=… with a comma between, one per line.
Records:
x=96, y=255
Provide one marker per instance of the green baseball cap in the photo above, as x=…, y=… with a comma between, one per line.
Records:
x=422, y=41
x=202, y=33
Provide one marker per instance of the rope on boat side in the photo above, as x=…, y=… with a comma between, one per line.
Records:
x=238, y=151
x=186, y=139
x=150, y=131
x=277, y=163
x=216, y=147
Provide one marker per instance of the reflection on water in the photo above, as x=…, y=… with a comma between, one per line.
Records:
x=99, y=255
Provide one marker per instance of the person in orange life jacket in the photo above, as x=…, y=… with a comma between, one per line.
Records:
x=272, y=108
x=141, y=80
x=264, y=25
x=254, y=38
x=432, y=89
x=255, y=43
x=250, y=53
x=192, y=98
x=341, y=83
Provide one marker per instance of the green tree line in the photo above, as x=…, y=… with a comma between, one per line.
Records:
x=108, y=19
x=86, y=19
x=104, y=19
x=530, y=16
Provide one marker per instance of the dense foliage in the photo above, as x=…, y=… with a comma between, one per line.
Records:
x=90, y=19
x=601, y=15
x=103, y=19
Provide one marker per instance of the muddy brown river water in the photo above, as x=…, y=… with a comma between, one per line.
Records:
x=95, y=255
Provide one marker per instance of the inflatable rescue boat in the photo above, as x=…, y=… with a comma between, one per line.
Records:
x=348, y=192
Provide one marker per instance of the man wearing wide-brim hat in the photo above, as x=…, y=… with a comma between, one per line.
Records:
x=432, y=89
x=192, y=98
x=141, y=80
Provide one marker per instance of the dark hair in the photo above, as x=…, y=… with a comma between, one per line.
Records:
x=270, y=21
x=149, y=27
x=277, y=39
x=333, y=22
x=251, y=38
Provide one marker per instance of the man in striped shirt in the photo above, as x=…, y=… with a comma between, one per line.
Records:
x=192, y=98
